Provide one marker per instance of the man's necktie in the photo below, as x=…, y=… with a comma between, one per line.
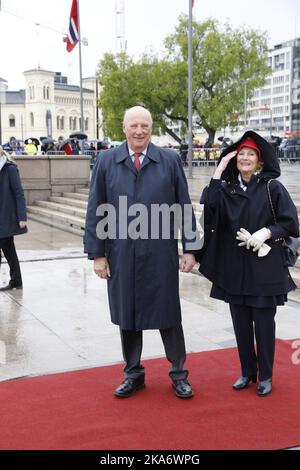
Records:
x=137, y=162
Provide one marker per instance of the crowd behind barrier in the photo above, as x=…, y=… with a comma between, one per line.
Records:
x=201, y=156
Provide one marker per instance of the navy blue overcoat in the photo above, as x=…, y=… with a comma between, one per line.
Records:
x=143, y=290
x=12, y=201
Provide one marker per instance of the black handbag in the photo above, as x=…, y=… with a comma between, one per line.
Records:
x=291, y=245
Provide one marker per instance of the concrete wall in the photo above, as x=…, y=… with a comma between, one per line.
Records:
x=45, y=176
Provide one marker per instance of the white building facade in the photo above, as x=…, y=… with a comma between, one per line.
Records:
x=275, y=108
x=48, y=107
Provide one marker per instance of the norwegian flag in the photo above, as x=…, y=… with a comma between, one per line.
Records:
x=73, y=36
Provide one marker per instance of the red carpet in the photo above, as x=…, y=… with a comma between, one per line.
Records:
x=77, y=410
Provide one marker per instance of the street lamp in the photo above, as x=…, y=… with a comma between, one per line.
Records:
x=245, y=103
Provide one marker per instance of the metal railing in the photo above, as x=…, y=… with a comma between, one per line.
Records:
x=288, y=154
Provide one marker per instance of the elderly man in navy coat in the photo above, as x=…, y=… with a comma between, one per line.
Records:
x=141, y=270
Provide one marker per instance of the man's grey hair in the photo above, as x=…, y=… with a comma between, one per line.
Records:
x=137, y=109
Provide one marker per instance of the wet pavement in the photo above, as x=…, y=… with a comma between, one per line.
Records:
x=60, y=321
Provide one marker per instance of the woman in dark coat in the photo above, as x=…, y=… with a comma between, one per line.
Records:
x=243, y=254
x=12, y=217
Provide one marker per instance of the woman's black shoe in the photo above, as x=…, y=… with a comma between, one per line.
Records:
x=243, y=382
x=11, y=286
x=264, y=387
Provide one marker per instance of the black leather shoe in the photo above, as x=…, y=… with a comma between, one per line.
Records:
x=129, y=387
x=264, y=387
x=243, y=382
x=11, y=287
x=182, y=389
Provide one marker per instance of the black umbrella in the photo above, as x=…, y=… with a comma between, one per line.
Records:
x=63, y=144
x=78, y=135
x=35, y=141
x=47, y=141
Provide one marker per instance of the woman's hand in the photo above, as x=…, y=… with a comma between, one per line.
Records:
x=223, y=164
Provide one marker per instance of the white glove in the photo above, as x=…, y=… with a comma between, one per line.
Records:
x=258, y=238
x=243, y=235
x=264, y=250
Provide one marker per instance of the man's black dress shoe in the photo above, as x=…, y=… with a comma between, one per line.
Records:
x=264, y=387
x=129, y=387
x=243, y=382
x=182, y=389
x=11, y=287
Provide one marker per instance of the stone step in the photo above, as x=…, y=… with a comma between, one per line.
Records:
x=69, y=201
x=83, y=191
x=81, y=197
x=57, y=217
x=54, y=223
x=67, y=209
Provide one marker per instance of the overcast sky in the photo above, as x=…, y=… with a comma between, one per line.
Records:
x=23, y=45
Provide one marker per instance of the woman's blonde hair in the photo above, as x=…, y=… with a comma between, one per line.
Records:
x=3, y=152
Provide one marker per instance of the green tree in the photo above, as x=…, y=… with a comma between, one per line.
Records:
x=223, y=58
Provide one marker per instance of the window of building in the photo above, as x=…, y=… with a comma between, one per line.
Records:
x=47, y=93
x=58, y=122
x=74, y=123
x=31, y=92
x=12, y=121
x=278, y=100
x=31, y=118
x=279, y=79
x=62, y=123
x=86, y=124
x=278, y=89
x=265, y=91
x=70, y=123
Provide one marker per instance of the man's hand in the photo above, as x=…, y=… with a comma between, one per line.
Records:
x=188, y=261
x=22, y=224
x=101, y=268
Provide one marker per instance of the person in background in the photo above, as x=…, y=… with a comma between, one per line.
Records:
x=30, y=148
x=13, y=220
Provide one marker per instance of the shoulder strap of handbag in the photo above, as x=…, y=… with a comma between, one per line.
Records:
x=270, y=201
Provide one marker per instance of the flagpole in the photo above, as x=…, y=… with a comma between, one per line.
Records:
x=80, y=70
x=190, y=91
